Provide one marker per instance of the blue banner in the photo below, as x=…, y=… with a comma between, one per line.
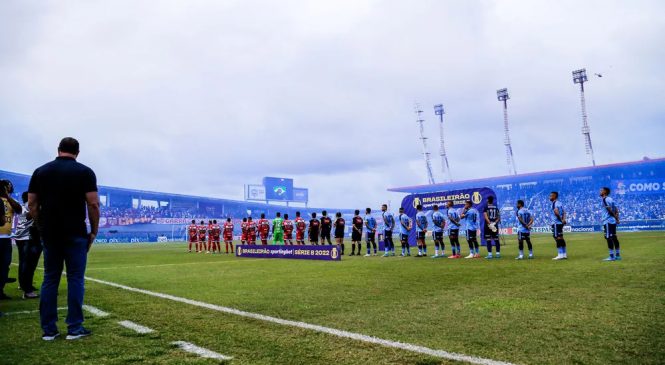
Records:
x=327, y=253
x=478, y=197
x=643, y=186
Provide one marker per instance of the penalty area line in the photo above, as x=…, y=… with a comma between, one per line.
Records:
x=322, y=329
x=136, y=327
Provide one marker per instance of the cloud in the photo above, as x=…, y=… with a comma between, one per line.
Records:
x=205, y=96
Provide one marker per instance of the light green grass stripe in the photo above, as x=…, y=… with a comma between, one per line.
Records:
x=313, y=327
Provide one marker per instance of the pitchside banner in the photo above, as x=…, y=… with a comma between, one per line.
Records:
x=477, y=196
x=327, y=253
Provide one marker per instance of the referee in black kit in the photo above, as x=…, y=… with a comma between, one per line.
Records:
x=58, y=196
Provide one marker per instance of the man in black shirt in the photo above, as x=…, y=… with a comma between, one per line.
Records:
x=356, y=232
x=326, y=227
x=339, y=230
x=59, y=194
x=314, y=227
x=492, y=219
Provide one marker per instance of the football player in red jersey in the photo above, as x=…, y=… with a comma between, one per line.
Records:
x=202, y=237
x=288, y=230
x=193, y=232
x=216, y=232
x=244, y=227
x=211, y=233
x=264, y=229
x=251, y=226
x=301, y=225
x=228, y=235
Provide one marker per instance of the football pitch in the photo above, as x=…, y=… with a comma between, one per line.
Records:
x=361, y=310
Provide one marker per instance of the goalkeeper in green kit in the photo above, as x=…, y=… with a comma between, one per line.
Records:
x=278, y=230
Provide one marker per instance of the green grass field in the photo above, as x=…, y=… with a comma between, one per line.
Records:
x=579, y=311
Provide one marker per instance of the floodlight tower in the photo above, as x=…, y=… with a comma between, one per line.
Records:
x=428, y=163
x=502, y=95
x=579, y=77
x=445, y=168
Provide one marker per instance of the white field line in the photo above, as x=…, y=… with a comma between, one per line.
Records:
x=30, y=312
x=136, y=327
x=95, y=311
x=191, y=348
x=313, y=327
x=161, y=265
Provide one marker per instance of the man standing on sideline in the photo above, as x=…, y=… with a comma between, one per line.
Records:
x=388, y=226
x=610, y=214
x=59, y=193
x=339, y=230
x=11, y=207
x=558, y=221
x=29, y=250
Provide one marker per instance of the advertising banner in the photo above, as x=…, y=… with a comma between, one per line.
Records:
x=300, y=195
x=327, y=253
x=256, y=192
x=643, y=186
x=478, y=197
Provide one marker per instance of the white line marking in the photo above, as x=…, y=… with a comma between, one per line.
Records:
x=191, y=348
x=95, y=311
x=30, y=312
x=136, y=327
x=313, y=327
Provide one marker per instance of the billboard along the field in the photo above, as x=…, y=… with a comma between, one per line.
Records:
x=255, y=192
x=278, y=188
x=478, y=197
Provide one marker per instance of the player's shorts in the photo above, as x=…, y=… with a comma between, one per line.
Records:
x=453, y=233
x=437, y=235
x=263, y=235
x=193, y=239
x=489, y=235
x=215, y=238
x=403, y=237
x=300, y=235
x=314, y=237
x=202, y=239
x=557, y=230
x=523, y=235
x=369, y=236
x=244, y=237
x=278, y=237
x=288, y=236
x=387, y=233
x=610, y=230
x=471, y=234
x=356, y=236
x=339, y=233
x=228, y=237
x=420, y=235
x=325, y=235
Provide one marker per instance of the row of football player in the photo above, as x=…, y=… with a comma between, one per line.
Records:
x=282, y=229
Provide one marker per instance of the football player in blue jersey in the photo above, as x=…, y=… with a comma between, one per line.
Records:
x=439, y=221
x=525, y=221
x=470, y=217
x=405, y=227
x=388, y=226
x=610, y=217
x=453, y=231
x=421, y=231
x=558, y=221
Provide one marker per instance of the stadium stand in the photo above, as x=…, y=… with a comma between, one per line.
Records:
x=145, y=216
x=638, y=187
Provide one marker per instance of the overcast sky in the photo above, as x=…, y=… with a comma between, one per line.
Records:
x=201, y=97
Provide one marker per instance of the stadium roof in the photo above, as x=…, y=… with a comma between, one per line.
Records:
x=609, y=169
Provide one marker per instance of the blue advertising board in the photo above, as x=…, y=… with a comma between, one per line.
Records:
x=304, y=252
x=478, y=197
x=278, y=188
